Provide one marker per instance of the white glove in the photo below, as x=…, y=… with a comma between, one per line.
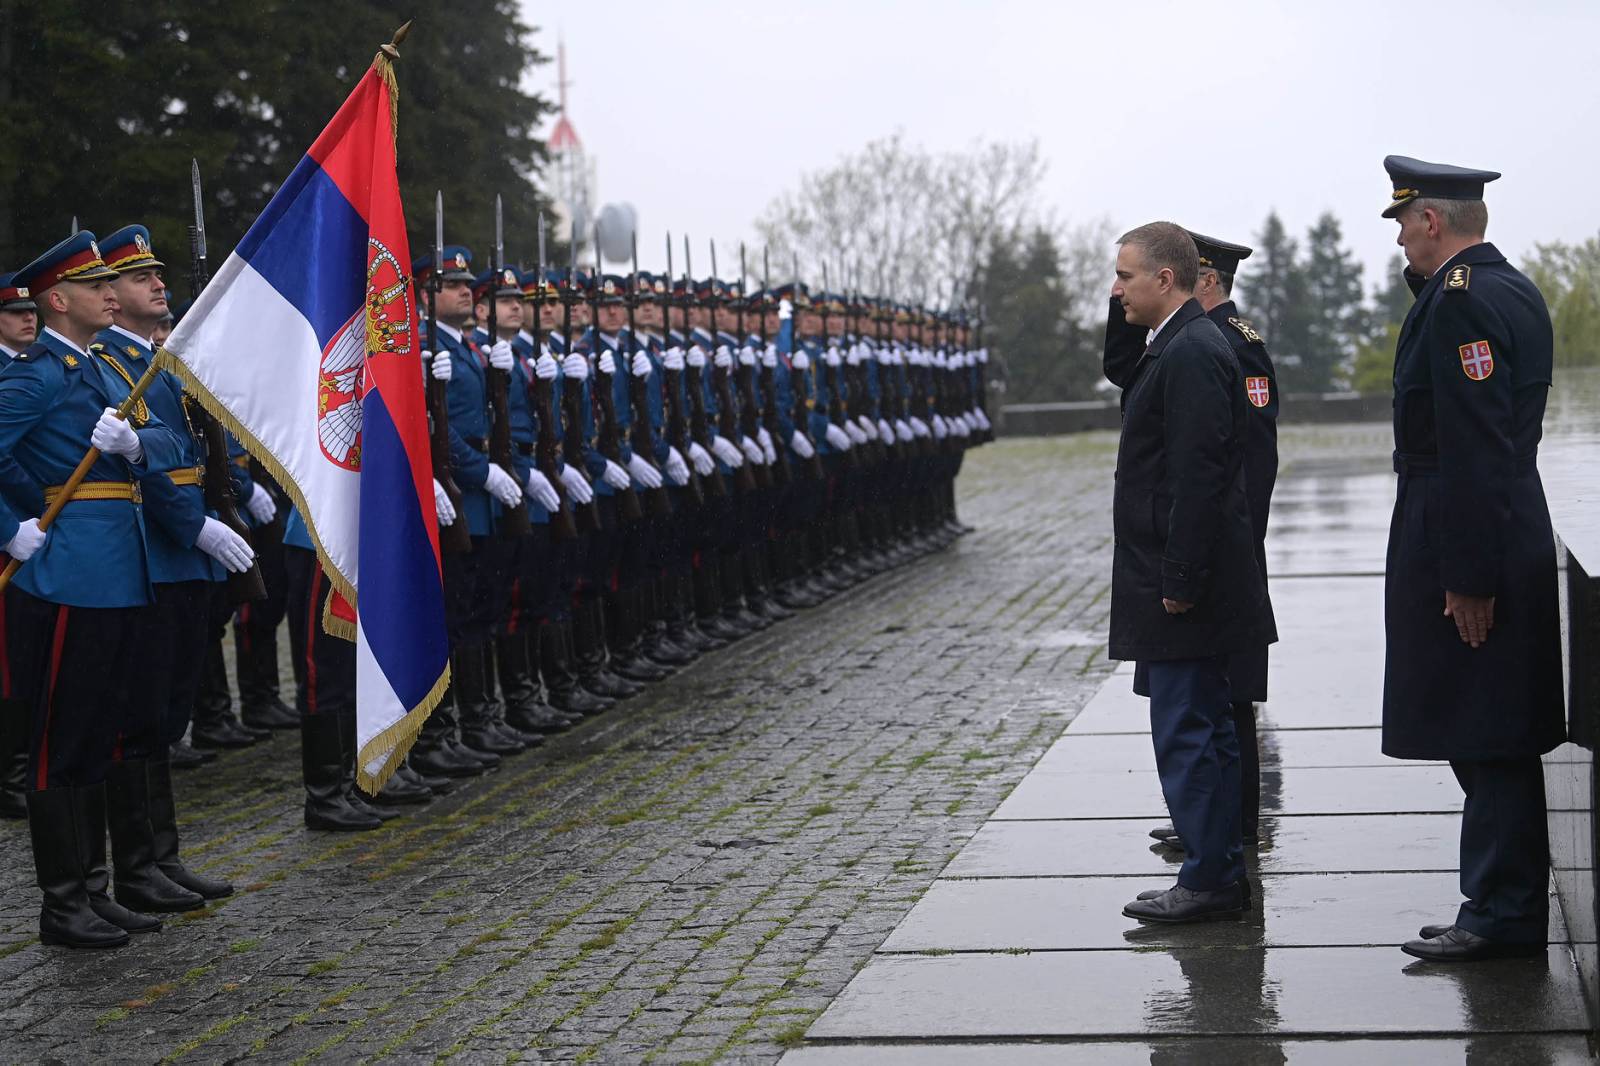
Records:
x=800, y=361
x=832, y=356
x=854, y=431
x=785, y=309
x=542, y=492
x=940, y=430
x=577, y=485
x=983, y=355
x=724, y=358
x=903, y=431
x=703, y=463
x=615, y=476
x=575, y=366
x=500, y=356
x=641, y=365
x=261, y=505
x=697, y=357
x=502, y=486
x=802, y=447
x=856, y=354
x=869, y=429
x=725, y=451
x=983, y=419
x=546, y=367
x=885, y=431
x=747, y=356
x=919, y=427
x=644, y=473
x=677, y=469
x=672, y=359
x=608, y=365
x=838, y=438
x=769, y=358
x=225, y=546
x=439, y=368
x=752, y=451
x=442, y=505
x=28, y=539
x=113, y=436
x=764, y=439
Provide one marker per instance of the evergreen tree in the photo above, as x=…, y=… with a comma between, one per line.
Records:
x=1336, y=321
x=1272, y=291
x=1045, y=355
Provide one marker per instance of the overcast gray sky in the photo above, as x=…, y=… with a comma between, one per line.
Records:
x=1208, y=114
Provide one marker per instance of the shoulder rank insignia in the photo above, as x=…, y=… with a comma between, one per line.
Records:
x=1477, y=360
x=70, y=359
x=1246, y=330
x=1458, y=278
x=133, y=351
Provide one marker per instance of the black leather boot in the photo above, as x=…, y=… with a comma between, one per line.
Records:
x=587, y=634
x=164, y=826
x=530, y=713
x=731, y=566
x=758, y=589
x=560, y=674
x=707, y=586
x=437, y=752
x=182, y=757
x=215, y=725
x=322, y=763
x=470, y=682
x=352, y=791
x=497, y=703
x=141, y=885
x=89, y=818
x=627, y=650
x=13, y=759
x=256, y=659
x=65, y=917
x=404, y=789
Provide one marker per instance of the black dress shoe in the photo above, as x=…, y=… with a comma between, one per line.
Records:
x=437, y=785
x=365, y=804
x=183, y=757
x=639, y=669
x=445, y=761
x=484, y=737
x=1457, y=945
x=1178, y=904
x=486, y=760
x=1429, y=932
x=1162, y=832
x=1244, y=891
x=274, y=714
x=403, y=791
x=220, y=733
x=540, y=718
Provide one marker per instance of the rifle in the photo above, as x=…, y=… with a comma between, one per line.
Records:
x=672, y=397
x=749, y=425
x=639, y=395
x=699, y=425
x=727, y=418
x=454, y=537
x=836, y=414
x=587, y=516
x=217, y=483
x=546, y=449
x=628, y=509
x=781, y=474
x=799, y=384
x=513, y=520
x=856, y=373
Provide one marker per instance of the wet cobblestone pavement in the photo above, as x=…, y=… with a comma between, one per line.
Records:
x=692, y=877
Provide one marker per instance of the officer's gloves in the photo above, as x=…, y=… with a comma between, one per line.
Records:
x=940, y=429
x=869, y=429
x=903, y=431
x=800, y=361
x=113, y=436
x=577, y=485
x=545, y=367
x=697, y=357
x=802, y=447
x=502, y=486
x=672, y=358
x=885, y=431
x=832, y=356
x=725, y=451
x=575, y=367
x=838, y=438
x=615, y=476
x=747, y=356
x=724, y=358
x=442, y=505
x=677, y=469
x=438, y=364
x=703, y=463
x=608, y=364
x=225, y=546
x=643, y=472
x=641, y=365
x=764, y=439
x=500, y=356
x=262, y=507
x=27, y=541
x=752, y=451
x=919, y=427
x=542, y=492
x=855, y=433
x=769, y=358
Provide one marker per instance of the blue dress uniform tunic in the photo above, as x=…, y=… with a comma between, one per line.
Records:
x=469, y=430
x=524, y=420
x=1472, y=372
x=94, y=554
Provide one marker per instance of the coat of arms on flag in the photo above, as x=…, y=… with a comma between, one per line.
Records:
x=1259, y=390
x=1477, y=361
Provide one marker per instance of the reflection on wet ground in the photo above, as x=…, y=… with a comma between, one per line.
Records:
x=1019, y=952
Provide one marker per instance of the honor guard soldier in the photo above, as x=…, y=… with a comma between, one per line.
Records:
x=80, y=600
x=1247, y=671
x=190, y=553
x=19, y=327
x=1473, y=670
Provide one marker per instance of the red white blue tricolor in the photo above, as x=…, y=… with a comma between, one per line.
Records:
x=305, y=344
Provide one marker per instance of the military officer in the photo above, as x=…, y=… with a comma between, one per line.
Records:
x=19, y=318
x=1473, y=670
x=81, y=596
x=19, y=327
x=1247, y=671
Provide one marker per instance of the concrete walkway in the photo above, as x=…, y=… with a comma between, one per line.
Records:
x=1019, y=952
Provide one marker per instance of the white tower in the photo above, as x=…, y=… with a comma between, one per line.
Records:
x=574, y=175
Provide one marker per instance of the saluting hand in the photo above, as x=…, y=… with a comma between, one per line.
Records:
x=1473, y=615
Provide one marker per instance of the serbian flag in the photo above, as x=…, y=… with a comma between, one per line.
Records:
x=305, y=345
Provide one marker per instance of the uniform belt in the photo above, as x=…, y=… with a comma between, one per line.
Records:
x=189, y=475
x=1428, y=465
x=97, y=490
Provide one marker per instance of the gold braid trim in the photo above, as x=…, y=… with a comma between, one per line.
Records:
x=391, y=745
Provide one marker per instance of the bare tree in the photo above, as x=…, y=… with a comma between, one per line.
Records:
x=899, y=220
